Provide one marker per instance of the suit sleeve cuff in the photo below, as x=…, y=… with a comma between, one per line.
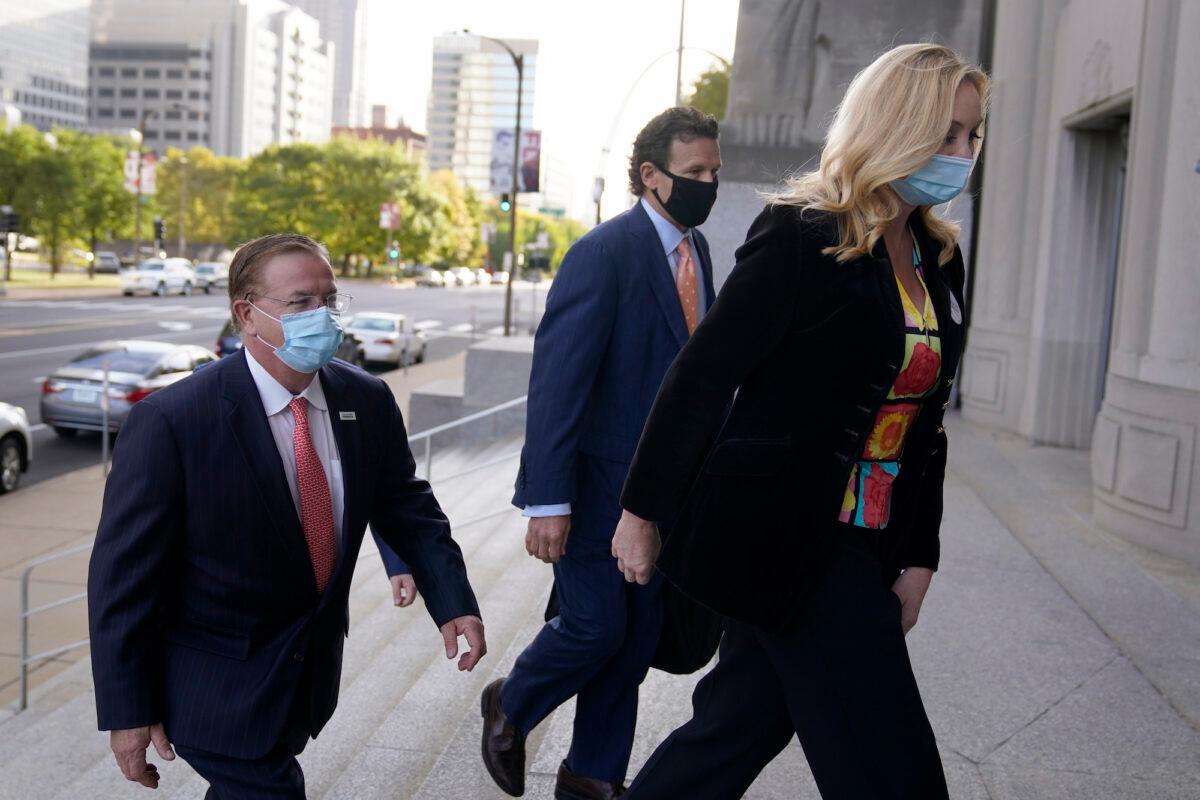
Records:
x=549, y=510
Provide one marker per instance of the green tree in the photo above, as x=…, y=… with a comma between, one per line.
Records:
x=208, y=182
x=18, y=149
x=53, y=185
x=96, y=164
x=710, y=92
x=561, y=233
x=458, y=240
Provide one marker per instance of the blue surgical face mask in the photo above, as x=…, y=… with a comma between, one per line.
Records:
x=938, y=181
x=310, y=338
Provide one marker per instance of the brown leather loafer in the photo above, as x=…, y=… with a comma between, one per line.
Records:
x=503, y=744
x=575, y=787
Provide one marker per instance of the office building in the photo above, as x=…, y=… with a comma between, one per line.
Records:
x=43, y=62
x=232, y=75
x=344, y=24
x=473, y=92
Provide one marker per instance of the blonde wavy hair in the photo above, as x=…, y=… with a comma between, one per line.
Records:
x=893, y=119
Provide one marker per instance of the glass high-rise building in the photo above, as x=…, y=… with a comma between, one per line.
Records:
x=44, y=60
x=344, y=24
x=473, y=92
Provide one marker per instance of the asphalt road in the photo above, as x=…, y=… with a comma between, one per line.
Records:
x=38, y=336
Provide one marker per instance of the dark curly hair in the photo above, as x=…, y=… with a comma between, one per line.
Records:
x=653, y=142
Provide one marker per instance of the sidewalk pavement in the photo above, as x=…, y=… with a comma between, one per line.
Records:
x=63, y=512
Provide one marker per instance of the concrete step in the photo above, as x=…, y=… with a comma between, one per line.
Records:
x=414, y=733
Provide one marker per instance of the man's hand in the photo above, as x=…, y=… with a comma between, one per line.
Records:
x=911, y=587
x=129, y=747
x=404, y=590
x=635, y=546
x=546, y=537
x=472, y=628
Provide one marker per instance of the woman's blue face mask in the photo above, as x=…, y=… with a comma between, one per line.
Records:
x=310, y=338
x=939, y=181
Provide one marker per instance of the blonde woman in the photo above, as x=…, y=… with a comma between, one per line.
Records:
x=807, y=512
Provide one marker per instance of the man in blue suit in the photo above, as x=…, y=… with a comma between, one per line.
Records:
x=232, y=520
x=626, y=298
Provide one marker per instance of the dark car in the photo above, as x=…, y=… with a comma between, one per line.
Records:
x=71, y=396
x=229, y=341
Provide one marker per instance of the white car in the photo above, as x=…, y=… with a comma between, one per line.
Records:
x=463, y=276
x=388, y=338
x=211, y=275
x=16, y=446
x=159, y=276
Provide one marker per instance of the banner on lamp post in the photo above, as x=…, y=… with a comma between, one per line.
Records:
x=149, y=172
x=529, y=174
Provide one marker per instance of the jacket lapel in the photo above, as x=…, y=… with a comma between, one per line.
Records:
x=888, y=299
x=250, y=429
x=659, y=271
x=710, y=294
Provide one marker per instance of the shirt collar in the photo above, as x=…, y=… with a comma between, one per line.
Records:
x=275, y=396
x=668, y=234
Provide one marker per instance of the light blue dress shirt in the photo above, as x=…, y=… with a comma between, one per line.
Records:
x=670, y=236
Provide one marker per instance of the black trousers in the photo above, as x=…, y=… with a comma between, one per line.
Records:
x=838, y=678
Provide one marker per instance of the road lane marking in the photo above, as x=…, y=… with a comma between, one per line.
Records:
x=80, y=346
x=426, y=324
x=171, y=325
x=41, y=426
x=497, y=331
x=463, y=328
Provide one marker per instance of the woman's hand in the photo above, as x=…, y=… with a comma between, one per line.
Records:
x=911, y=587
x=635, y=546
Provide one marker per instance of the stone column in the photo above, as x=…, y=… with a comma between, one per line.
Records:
x=1146, y=477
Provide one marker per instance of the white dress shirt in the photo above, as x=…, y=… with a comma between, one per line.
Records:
x=670, y=236
x=276, y=400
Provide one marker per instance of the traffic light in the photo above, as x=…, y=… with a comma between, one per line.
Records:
x=160, y=229
x=505, y=203
x=394, y=252
x=9, y=221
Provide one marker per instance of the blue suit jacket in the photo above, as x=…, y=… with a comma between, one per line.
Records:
x=203, y=608
x=612, y=326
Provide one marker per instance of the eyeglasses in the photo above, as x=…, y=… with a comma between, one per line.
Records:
x=337, y=303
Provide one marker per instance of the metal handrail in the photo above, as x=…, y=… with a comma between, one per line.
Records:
x=28, y=660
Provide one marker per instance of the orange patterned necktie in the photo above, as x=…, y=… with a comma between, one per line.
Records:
x=685, y=284
x=316, y=506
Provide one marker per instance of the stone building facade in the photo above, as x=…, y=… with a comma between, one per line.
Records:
x=1085, y=320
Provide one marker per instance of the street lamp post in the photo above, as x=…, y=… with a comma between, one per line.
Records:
x=519, y=63
x=141, y=149
x=183, y=187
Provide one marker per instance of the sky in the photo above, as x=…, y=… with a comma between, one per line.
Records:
x=590, y=57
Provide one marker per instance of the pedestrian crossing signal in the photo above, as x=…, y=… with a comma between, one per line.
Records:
x=505, y=202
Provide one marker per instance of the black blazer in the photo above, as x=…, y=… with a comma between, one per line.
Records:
x=203, y=608
x=811, y=347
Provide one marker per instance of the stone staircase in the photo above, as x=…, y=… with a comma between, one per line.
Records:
x=407, y=724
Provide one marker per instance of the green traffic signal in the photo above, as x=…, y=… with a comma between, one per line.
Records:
x=505, y=203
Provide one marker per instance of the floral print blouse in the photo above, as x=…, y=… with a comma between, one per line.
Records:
x=868, y=499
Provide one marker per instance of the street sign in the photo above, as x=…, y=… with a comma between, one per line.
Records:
x=149, y=172
x=389, y=216
x=502, y=161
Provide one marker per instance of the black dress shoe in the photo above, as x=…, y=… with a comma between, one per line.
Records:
x=575, y=787
x=503, y=744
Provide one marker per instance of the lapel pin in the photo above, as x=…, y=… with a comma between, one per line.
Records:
x=347, y=416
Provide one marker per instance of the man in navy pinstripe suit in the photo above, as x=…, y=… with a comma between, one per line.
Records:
x=232, y=521
x=625, y=300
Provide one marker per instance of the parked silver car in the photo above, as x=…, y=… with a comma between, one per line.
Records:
x=388, y=338
x=16, y=446
x=71, y=397
x=211, y=275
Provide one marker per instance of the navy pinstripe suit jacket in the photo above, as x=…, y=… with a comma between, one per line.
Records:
x=203, y=608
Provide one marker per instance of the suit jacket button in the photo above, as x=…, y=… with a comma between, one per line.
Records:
x=298, y=657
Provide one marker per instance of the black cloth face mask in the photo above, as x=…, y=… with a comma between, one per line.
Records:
x=690, y=201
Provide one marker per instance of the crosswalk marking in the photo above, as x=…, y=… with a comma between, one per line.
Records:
x=426, y=324
x=464, y=327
